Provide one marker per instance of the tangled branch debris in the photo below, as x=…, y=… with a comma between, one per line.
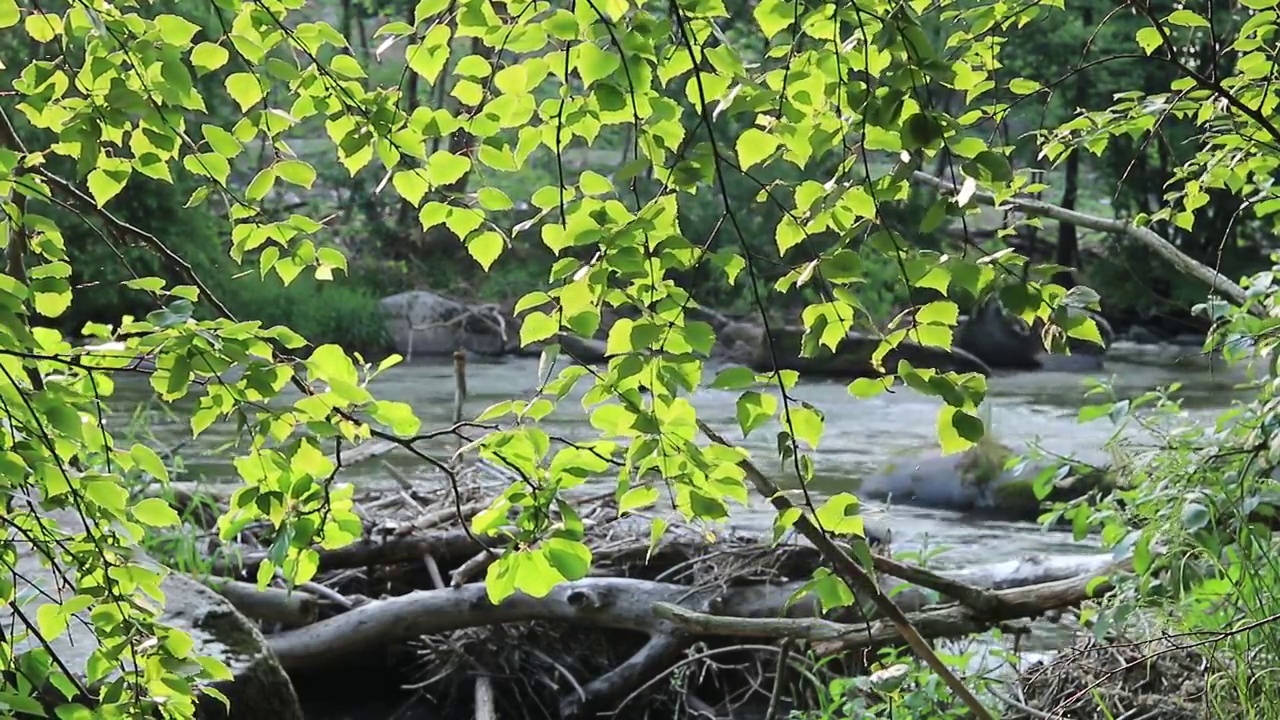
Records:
x=1096, y=681
x=729, y=600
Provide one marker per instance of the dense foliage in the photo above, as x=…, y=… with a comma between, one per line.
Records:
x=780, y=158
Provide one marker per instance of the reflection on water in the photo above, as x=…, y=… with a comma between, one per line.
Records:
x=861, y=434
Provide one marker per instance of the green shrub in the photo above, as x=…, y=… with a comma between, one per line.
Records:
x=340, y=311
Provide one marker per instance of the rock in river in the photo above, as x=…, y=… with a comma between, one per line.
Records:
x=976, y=480
x=1006, y=342
x=259, y=688
x=424, y=323
x=851, y=359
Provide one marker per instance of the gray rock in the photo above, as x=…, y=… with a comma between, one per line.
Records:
x=1143, y=335
x=259, y=688
x=424, y=323
x=1004, y=341
x=851, y=359
x=972, y=481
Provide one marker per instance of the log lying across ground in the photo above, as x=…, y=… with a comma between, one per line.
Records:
x=413, y=587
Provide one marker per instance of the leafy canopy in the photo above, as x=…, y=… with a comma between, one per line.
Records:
x=836, y=91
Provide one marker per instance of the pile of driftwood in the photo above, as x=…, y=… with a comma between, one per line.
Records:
x=708, y=622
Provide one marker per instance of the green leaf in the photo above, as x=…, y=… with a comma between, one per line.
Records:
x=1187, y=18
x=840, y=515
x=106, y=184
x=754, y=146
x=1089, y=413
x=43, y=27
x=485, y=248
x=832, y=592
x=920, y=130
x=1023, y=86
x=637, y=498
x=221, y=141
x=176, y=30
x=396, y=415
x=445, y=168
x=958, y=429
x=943, y=312
x=427, y=9
x=571, y=559
x=593, y=183
x=411, y=184
x=534, y=574
x=789, y=234
x=806, y=424
x=1149, y=39
x=149, y=461
x=595, y=64
x=108, y=494
x=493, y=199
x=296, y=172
x=331, y=365
x=996, y=164
x=536, y=327
x=860, y=202
x=869, y=387
x=51, y=621
x=774, y=16
x=754, y=410
x=156, y=513
x=245, y=89
x=9, y=13
x=734, y=378
x=207, y=57
x=261, y=184
x=1195, y=516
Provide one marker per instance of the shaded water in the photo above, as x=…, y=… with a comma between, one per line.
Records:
x=860, y=437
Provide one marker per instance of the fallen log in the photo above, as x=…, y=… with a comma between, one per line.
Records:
x=830, y=638
x=958, y=620
x=448, y=548
x=625, y=604
x=291, y=608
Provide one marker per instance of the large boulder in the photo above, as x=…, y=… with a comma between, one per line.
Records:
x=1005, y=341
x=852, y=358
x=259, y=688
x=979, y=480
x=424, y=323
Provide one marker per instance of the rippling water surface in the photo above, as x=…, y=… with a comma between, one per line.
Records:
x=861, y=435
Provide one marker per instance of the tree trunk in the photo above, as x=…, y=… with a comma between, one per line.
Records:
x=1068, y=241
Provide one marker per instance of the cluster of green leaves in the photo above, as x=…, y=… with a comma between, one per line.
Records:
x=1196, y=512
x=1226, y=104
x=828, y=83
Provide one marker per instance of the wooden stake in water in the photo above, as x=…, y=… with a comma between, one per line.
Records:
x=459, y=387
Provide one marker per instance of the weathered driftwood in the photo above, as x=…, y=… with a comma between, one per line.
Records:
x=634, y=604
x=829, y=637
x=291, y=608
x=447, y=547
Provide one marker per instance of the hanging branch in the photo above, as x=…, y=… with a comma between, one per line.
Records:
x=1150, y=239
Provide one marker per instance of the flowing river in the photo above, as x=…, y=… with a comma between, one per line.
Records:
x=861, y=435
